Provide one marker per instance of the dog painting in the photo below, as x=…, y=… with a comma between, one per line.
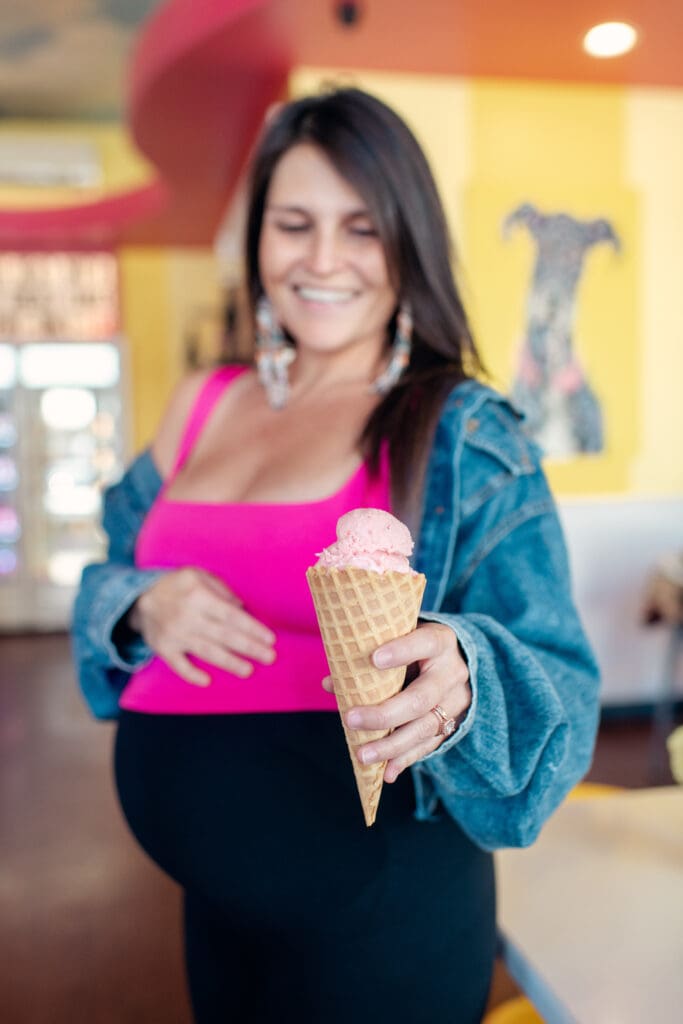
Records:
x=563, y=413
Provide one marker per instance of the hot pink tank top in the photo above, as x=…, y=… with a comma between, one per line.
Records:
x=260, y=551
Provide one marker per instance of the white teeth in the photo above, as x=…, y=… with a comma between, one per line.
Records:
x=324, y=295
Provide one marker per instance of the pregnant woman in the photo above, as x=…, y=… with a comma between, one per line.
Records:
x=199, y=634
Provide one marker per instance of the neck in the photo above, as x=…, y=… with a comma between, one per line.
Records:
x=320, y=372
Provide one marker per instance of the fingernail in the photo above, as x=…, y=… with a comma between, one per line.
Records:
x=354, y=719
x=382, y=659
x=367, y=755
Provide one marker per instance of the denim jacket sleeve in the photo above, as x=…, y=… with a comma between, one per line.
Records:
x=105, y=651
x=492, y=548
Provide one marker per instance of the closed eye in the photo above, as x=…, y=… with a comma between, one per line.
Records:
x=361, y=226
x=292, y=228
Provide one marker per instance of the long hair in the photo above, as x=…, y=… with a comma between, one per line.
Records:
x=375, y=151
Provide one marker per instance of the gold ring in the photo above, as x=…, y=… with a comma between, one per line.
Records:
x=446, y=724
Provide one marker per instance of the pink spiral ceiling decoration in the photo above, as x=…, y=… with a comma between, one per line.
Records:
x=202, y=77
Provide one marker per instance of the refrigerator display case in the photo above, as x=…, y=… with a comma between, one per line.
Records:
x=63, y=439
x=61, y=443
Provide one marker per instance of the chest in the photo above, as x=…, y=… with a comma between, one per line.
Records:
x=260, y=549
x=248, y=452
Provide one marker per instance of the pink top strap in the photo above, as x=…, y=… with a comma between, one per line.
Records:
x=212, y=389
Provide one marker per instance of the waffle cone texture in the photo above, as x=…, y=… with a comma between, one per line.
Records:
x=359, y=610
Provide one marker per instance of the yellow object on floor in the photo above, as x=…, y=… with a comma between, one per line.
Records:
x=588, y=790
x=674, y=745
x=515, y=1011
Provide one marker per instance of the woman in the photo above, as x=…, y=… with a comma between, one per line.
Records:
x=199, y=633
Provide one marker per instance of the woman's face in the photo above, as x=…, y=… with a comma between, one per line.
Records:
x=321, y=261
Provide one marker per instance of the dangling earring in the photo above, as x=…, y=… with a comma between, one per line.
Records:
x=273, y=355
x=400, y=352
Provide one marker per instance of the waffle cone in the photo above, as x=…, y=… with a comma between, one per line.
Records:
x=359, y=610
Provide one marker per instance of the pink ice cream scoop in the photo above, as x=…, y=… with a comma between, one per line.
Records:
x=369, y=538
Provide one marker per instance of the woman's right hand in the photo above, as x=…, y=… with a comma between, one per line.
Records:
x=190, y=612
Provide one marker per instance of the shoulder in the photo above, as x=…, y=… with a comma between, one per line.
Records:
x=170, y=430
x=482, y=435
x=478, y=417
x=492, y=425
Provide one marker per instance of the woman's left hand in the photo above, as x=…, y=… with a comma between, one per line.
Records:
x=416, y=730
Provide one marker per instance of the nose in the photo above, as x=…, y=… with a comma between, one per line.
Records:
x=324, y=252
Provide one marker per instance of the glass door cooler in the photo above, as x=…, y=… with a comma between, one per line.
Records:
x=61, y=442
x=63, y=427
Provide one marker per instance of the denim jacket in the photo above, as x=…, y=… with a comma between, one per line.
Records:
x=491, y=547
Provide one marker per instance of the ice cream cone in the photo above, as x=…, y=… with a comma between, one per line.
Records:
x=358, y=610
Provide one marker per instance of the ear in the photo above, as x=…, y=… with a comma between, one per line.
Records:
x=526, y=214
x=602, y=231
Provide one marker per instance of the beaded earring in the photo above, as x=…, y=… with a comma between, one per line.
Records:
x=400, y=352
x=273, y=355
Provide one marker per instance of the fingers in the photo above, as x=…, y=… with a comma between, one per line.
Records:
x=421, y=730
x=404, y=746
x=396, y=765
x=443, y=670
x=229, y=616
x=253, y=637
x=219, y=588
x=189, y=613
x=414, y=733
x=410, y=704
x=401, y=748
x=183, y=667
x=222, y=657
x=240, y=634
x=411, y=728
x=426, y=642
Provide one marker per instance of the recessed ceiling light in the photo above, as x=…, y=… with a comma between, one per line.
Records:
x=610, y=39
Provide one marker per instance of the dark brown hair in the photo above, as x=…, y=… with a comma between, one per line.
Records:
x=376, y=152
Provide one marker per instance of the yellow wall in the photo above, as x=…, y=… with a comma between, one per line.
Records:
x=590, y=151
x=560, y=147
x=653, y=160
x=163, y=292
x=146, y=327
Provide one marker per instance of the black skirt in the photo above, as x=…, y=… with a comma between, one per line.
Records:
x=293, y=907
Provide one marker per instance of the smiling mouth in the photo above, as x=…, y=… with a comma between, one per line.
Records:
x=329, y=296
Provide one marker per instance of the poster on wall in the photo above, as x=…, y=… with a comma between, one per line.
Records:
x=556, y=319
x=562, y=410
